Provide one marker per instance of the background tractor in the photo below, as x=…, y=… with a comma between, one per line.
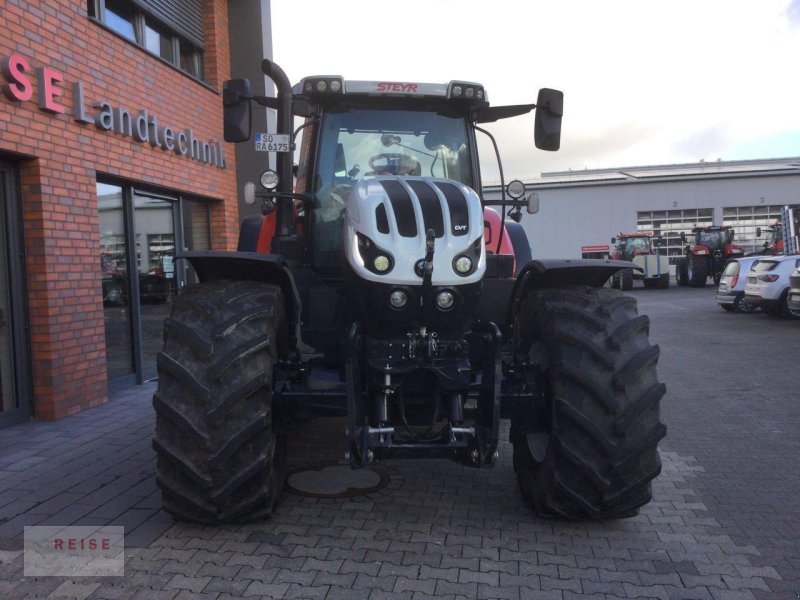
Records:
x=372, y=290
x=638, y=248
x=774, y=244
x=713, y=246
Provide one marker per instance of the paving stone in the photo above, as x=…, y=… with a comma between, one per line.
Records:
x=337, y=593
x=363, y=581
x=149, y=594
x=307, y=592
x=235, y=587
x=71, y=589
x=499, y=593
x=187, y=595
x=425, y=586
x=270, y=590
x=108, y=591
x=469, y=590
x=193, y=584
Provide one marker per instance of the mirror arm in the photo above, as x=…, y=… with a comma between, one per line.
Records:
x=267, y=101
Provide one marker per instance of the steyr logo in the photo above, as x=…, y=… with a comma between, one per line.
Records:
x=394, y=86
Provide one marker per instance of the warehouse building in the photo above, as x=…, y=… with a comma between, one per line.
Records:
x=111, y=161
x=581, y=211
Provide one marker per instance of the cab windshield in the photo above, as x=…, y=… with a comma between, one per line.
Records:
x=633, y=244
x=362, y=142
x=712, y=239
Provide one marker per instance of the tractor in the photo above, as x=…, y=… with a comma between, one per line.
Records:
x=774, y=243
x=638, y=248
x=713, y=247
x=368, y=290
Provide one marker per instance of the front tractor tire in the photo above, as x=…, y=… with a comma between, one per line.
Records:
x=682, y=271
x=589, y=450
x=698, y=271
x=219, y=458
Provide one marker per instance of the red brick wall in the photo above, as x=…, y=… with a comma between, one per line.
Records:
x=61, y=158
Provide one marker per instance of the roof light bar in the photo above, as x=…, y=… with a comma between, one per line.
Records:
x=464, y=90
x=311, y=86
x=322, y=85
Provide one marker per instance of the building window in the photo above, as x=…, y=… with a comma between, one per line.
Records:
x=159, y=41
x=146, y=23
x=669, y=224
x=121, y=17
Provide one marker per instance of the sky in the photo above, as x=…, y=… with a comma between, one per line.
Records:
x=645, y=82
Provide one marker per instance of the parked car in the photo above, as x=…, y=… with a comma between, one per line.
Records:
x=730, y=294
x=794, y=290
x=768, y=285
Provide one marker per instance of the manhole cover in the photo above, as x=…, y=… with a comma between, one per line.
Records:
x=335, y=481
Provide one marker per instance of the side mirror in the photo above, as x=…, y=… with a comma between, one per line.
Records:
x=547, y=128
x=683, y=237
x=236, y=95
x=733, y=235
x=533, y=203
x=758, y=232
x=613, y=240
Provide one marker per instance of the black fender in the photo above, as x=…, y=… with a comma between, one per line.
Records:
x=550, y=273
x=249, y=231
x=520, y=243
x=250, y=266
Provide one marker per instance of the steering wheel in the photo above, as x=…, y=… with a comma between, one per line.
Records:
x=395, y=164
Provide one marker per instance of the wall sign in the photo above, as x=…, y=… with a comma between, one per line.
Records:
x=21, y=81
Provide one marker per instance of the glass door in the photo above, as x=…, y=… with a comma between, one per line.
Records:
x=115, y=281
x=154, y=226
x=14, y=396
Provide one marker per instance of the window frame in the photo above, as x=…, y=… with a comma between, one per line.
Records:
x=96, y=10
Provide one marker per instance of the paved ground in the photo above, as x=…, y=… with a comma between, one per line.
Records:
x=724, y=523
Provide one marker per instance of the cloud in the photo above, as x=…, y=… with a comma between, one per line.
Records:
x=644, y=82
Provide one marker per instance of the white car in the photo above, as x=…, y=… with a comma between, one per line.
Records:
x=730, y=294
x=768, y=285
x=794, y=290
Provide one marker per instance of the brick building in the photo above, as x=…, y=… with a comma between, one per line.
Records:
x=111, y=160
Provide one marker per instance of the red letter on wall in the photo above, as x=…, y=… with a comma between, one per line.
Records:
x=49, y=91
x=18, y=86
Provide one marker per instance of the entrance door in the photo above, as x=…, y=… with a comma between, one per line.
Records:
x=14, y=405
x=154, y=224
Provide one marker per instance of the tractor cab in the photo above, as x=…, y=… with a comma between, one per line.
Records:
x=713, y=238
x=629, y=245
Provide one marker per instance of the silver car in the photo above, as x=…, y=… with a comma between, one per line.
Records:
x=768, y=285
x=730, y=294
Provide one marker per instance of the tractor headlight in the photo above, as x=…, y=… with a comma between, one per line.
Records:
x=462, y=265
x=398, y=299
x=269, y=180
x=381, y=263
x=445, y=299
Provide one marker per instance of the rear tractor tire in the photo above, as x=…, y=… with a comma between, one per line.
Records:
x=589, y=450
x=219, y=458
x=663, y=281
